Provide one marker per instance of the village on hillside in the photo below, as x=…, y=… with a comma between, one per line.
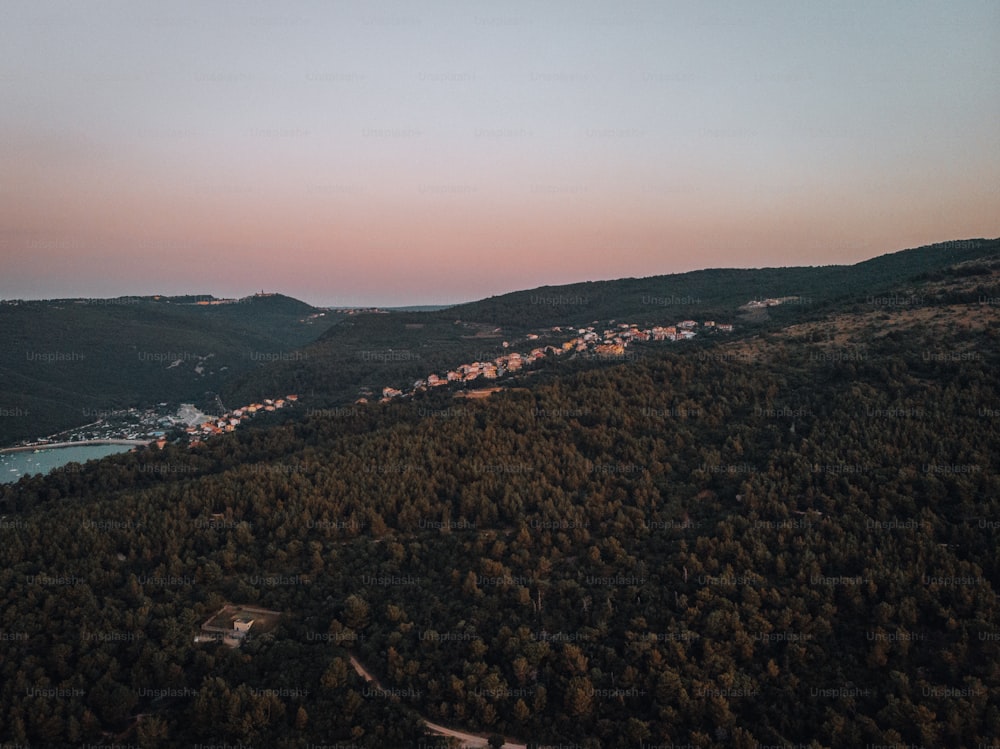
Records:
x=608, y=343
x=231, y=419
x=154, y=424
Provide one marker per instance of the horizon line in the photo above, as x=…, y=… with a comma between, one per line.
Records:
x=444, y=305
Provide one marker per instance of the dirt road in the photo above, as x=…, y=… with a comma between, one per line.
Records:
x=469, y=740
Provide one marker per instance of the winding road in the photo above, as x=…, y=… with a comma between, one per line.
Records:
x=469, y=740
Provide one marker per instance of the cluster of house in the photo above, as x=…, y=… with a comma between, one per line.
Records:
x=229, y=421
x=212, y=302
x=609, y=342
x=761, y=303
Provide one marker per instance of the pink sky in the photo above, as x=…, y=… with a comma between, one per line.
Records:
x=407, y=157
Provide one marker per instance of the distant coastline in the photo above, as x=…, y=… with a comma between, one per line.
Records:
x=77, y=443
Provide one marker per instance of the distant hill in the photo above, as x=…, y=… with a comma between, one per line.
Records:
x=419, y=308
x=716, y=293
x=64, y=359
x=395, y=348
x=69, y=357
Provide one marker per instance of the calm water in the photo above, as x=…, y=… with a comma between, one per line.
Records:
x=15, y=465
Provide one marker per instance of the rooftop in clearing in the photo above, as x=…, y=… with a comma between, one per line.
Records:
x=225, y=620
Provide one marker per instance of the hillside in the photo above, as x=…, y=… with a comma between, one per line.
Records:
x=717, y=293
x=65, y=360
x=373, y=350
x=394, y=349
x=788, y=538
x=64, y=366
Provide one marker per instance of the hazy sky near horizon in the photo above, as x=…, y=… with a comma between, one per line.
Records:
x=433, y=152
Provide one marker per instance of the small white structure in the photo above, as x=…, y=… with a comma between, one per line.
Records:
x=242, y=624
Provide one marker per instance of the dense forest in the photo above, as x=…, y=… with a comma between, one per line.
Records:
x=788, y=539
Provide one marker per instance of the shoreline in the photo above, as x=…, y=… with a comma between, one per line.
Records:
x=77, y=443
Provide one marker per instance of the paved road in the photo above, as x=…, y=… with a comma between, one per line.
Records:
x=469, y=740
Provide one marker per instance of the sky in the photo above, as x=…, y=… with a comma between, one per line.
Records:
x=399, y=153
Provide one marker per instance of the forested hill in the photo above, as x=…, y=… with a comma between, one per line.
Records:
x=64, y=360
x=717, y=293
x=376, y=350
x=789, y=539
